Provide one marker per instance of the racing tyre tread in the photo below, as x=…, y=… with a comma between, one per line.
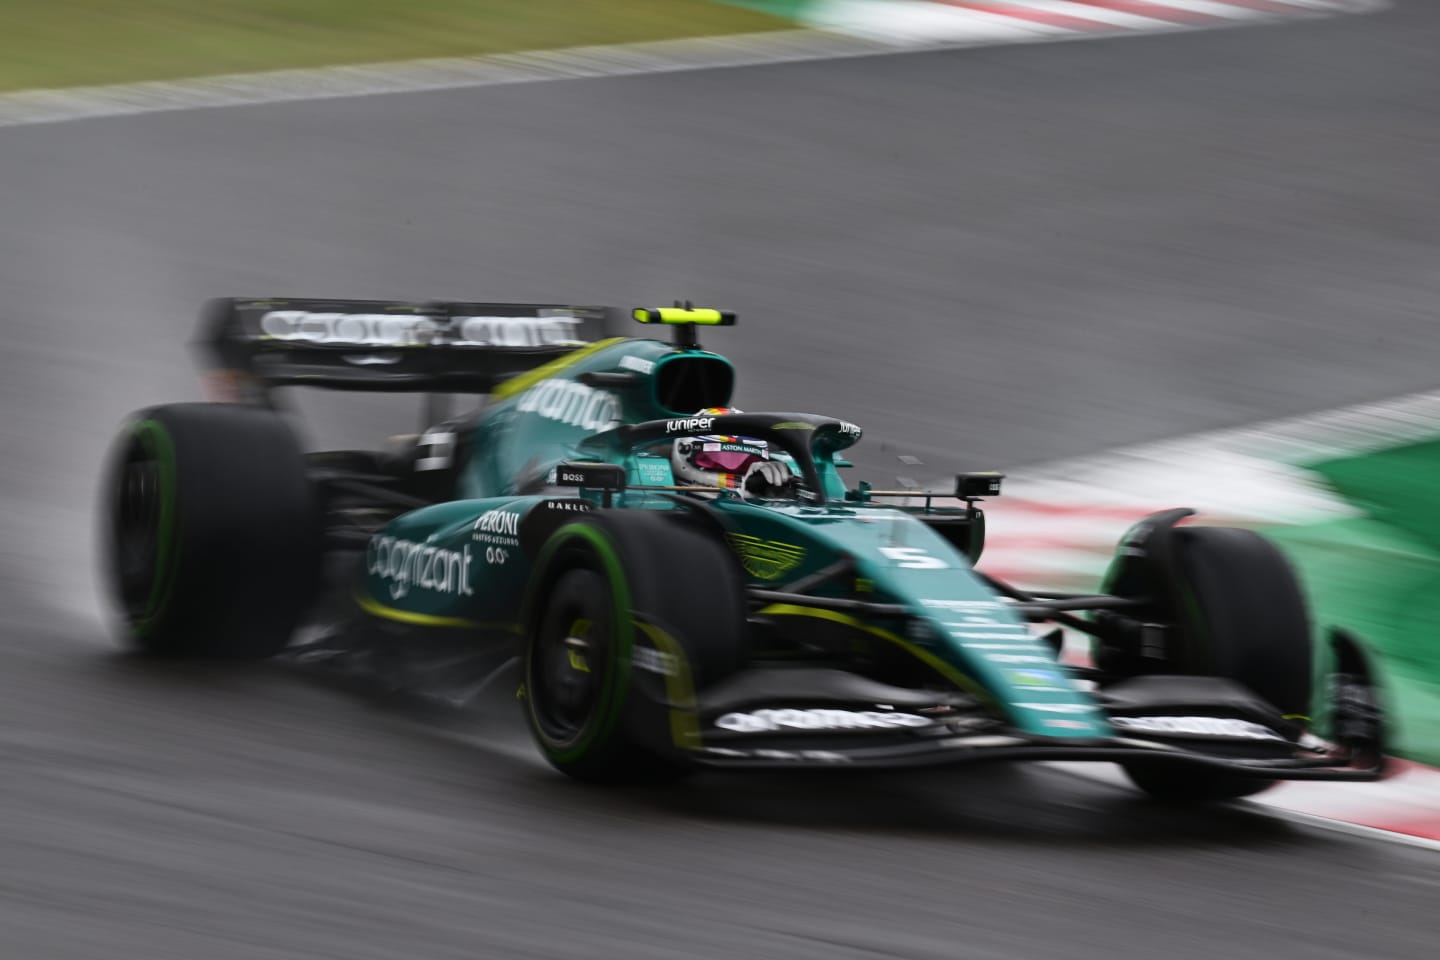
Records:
x=1173, y=784
x=1244, y=618
x=212, y=532
x=1249, y=622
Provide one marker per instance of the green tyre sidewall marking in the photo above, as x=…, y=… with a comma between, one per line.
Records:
x=155, y=440
x=617, y=682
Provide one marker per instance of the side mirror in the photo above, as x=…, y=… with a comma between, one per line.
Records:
x=973, y=486
x=608, y=478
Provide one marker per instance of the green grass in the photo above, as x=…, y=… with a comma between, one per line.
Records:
x=61, y=43
x=1385, y=586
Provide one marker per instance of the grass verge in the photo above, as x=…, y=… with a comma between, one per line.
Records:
x=62, y=43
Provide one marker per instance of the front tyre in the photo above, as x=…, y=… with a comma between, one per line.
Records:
x=1241, y=616
x=1188, y=785
x=603, y=585
x=1246, y=617
x=212, y=542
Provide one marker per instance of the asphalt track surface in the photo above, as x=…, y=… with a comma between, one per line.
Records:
x=987, y=257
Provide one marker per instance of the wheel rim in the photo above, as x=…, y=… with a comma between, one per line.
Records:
x=570, y=657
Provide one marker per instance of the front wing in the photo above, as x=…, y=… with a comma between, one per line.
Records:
x=1324, y=763
x=767, y=718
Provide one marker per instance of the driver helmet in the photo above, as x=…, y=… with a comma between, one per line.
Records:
x=741, y=464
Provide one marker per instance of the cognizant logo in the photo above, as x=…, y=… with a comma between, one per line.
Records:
x=404, y=563
x=566, y=401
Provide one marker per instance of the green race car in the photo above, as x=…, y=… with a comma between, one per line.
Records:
x=680, y=584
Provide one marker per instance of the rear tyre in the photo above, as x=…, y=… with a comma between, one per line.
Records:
x=605, y=584
x=212, y=532
x=1242, y=617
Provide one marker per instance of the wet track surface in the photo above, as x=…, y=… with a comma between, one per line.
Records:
x=989, y=257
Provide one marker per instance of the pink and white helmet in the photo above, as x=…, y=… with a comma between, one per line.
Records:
x=717, y=460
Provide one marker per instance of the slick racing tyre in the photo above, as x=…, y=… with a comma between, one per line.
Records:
x=1188, y=785
x=213, y=541
x=1242, y=617
x=606, y=586
x=1247, y=620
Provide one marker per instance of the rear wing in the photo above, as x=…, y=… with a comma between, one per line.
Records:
x=386, y=345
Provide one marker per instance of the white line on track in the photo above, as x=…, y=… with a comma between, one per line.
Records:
x=1309, y=438
x=1340, y=826
x=1110, y=774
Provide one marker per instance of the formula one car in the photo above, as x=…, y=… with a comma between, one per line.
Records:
x=663, y=625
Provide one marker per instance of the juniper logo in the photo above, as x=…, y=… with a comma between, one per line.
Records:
x=403, y=564
x=689, y=423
